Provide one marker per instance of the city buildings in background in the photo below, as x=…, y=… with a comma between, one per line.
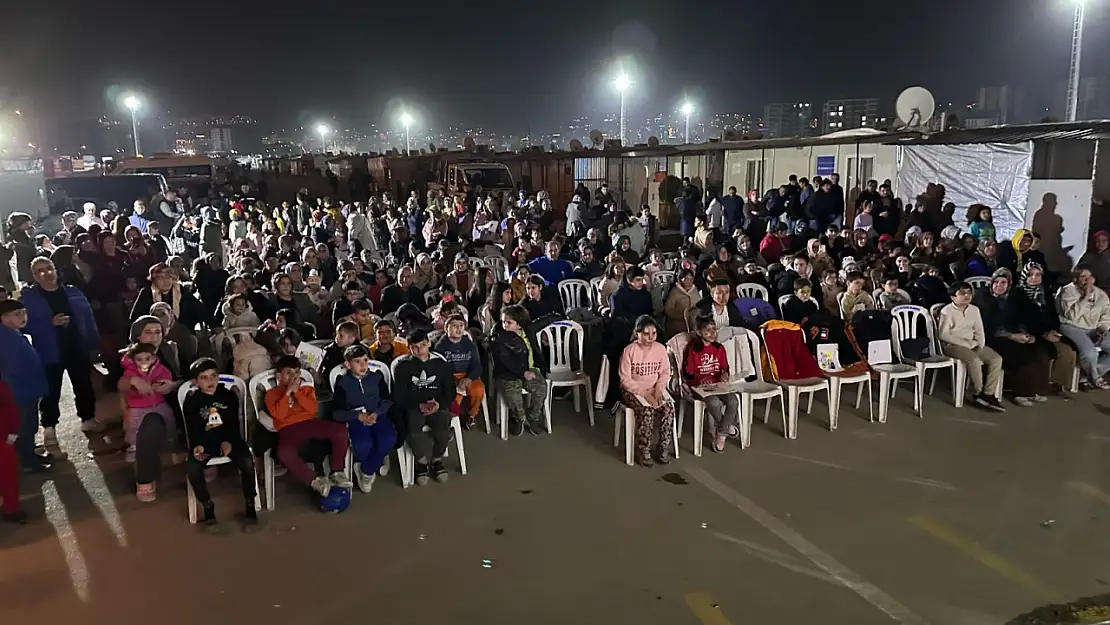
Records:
x=850, y=113
x=789, y=119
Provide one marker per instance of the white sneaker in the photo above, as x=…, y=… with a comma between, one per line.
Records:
x=49, y=437
x=365, y=482
x=1024, y=402
x=1040, y=398
x=384, y=470
x=341, y=480
x=321, y=485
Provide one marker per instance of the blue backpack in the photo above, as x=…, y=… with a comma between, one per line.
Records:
x=337, y=500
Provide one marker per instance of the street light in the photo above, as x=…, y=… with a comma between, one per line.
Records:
x=687, y=109
x=406, y=121
x=132, y=102
x=1076, y=56
x=622, y=83
x=322, y=130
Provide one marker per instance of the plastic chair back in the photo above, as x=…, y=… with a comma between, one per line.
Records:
x=559, y=336
x=662, y=278
x=235, y=384
x=574, y=293
x=753, y=290
x=978, y=282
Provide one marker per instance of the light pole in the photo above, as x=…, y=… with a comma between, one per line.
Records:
x=687, y=109
x=133, y=103
x=406, y=121
x=1076, y=56
x=323, y=132
x=622, y=83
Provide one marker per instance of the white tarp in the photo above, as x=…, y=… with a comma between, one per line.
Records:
x=994, y=174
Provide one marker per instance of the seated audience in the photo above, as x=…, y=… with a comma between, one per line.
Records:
x=705, y=362
x=212, y=426
x=856, y=297
x=962, y=336
x=386, y=348
x=423, y=391
x=292, y=406
x=645, y=371
x=465, y=363
x=1025, y=364
x=1085, y=321
x=362, y=402
x=518, y=366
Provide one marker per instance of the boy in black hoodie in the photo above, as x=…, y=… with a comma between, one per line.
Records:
x=212, y=426
x=424, y=389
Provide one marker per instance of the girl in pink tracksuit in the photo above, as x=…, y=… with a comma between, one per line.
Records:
x=645, y=370
x=141, y=361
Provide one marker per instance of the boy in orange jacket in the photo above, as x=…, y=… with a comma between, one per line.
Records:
x=292, y=405
x=9, y=460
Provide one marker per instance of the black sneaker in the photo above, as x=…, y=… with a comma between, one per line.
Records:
x=439, y=473
x=535, y=428
x=981, y=401
x=18, y=517
x=208, y=522
x=421, y=475
x=516, y=428
x=250, y=517
x=994, y=404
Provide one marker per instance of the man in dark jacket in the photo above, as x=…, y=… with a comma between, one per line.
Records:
x=734, y=210
x=400, y=293
x=424, y=389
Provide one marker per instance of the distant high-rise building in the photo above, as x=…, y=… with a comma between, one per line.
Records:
x=850, y=113
x=219, y=140
x=788, y=119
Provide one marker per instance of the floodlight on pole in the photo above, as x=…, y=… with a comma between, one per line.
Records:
x=406, y=121
x=323, y=130
x=622, y=82
x=1076, y=57
x=133, y=104
x=687, y=110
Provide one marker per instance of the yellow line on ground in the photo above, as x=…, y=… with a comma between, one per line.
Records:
x=1090, y=490
x=702, y=605
x=984, y=556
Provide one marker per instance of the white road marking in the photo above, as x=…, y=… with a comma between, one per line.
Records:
x=924, y=481
x=88, y=472
x=784, y=560
x=869, y=592
x=1098, y=437
x=809, y=460
x=972, y=421
x=71, y=550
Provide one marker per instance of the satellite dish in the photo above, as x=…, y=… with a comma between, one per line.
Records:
x=468, y=143
x=596, y=137
x=653, y=142
x=915, y=107
x=575, y=145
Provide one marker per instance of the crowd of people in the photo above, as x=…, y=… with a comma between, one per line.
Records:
x=453, y=294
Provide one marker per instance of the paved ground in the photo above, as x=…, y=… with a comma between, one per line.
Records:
x=961, y=518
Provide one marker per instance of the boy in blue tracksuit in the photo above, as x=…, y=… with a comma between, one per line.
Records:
x=22, y=369
x=361, y=401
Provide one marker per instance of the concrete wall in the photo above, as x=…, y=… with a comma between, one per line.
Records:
x=1060, y=211
x=780, y=163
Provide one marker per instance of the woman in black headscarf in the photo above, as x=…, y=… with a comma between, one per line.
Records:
x=1029, y=309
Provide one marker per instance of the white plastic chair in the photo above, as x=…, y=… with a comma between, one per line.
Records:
x=662, y=278
x=407, y=460
x=485, y=318
x=794, y=390
x=239, y=387
x=503, y=408
x=499, y=266
x=595, y=290
x=475, y=262
x=574, y=293
x=375, y=365
x=629, y=423
x=258, y=386
x=559, y=336
x=905, y=326
x=783, y=299
x=753, y=290
x=431, y=298
x=758, y=389
x=978, y=282
x=836, y=386
x=878, y=301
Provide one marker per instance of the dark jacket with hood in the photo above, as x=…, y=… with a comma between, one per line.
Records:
x=628, y=303
x=509, y=354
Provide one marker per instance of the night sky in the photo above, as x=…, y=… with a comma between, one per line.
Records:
x=512, y=64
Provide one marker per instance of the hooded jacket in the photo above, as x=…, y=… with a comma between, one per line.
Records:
x=509, y=352
x=247, y=319
x=629, y=303
x=21, y=367
x=355, y=395
x=1099, y=260
x=158, y=373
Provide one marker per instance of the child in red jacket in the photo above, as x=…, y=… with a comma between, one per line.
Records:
x=9, y=463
